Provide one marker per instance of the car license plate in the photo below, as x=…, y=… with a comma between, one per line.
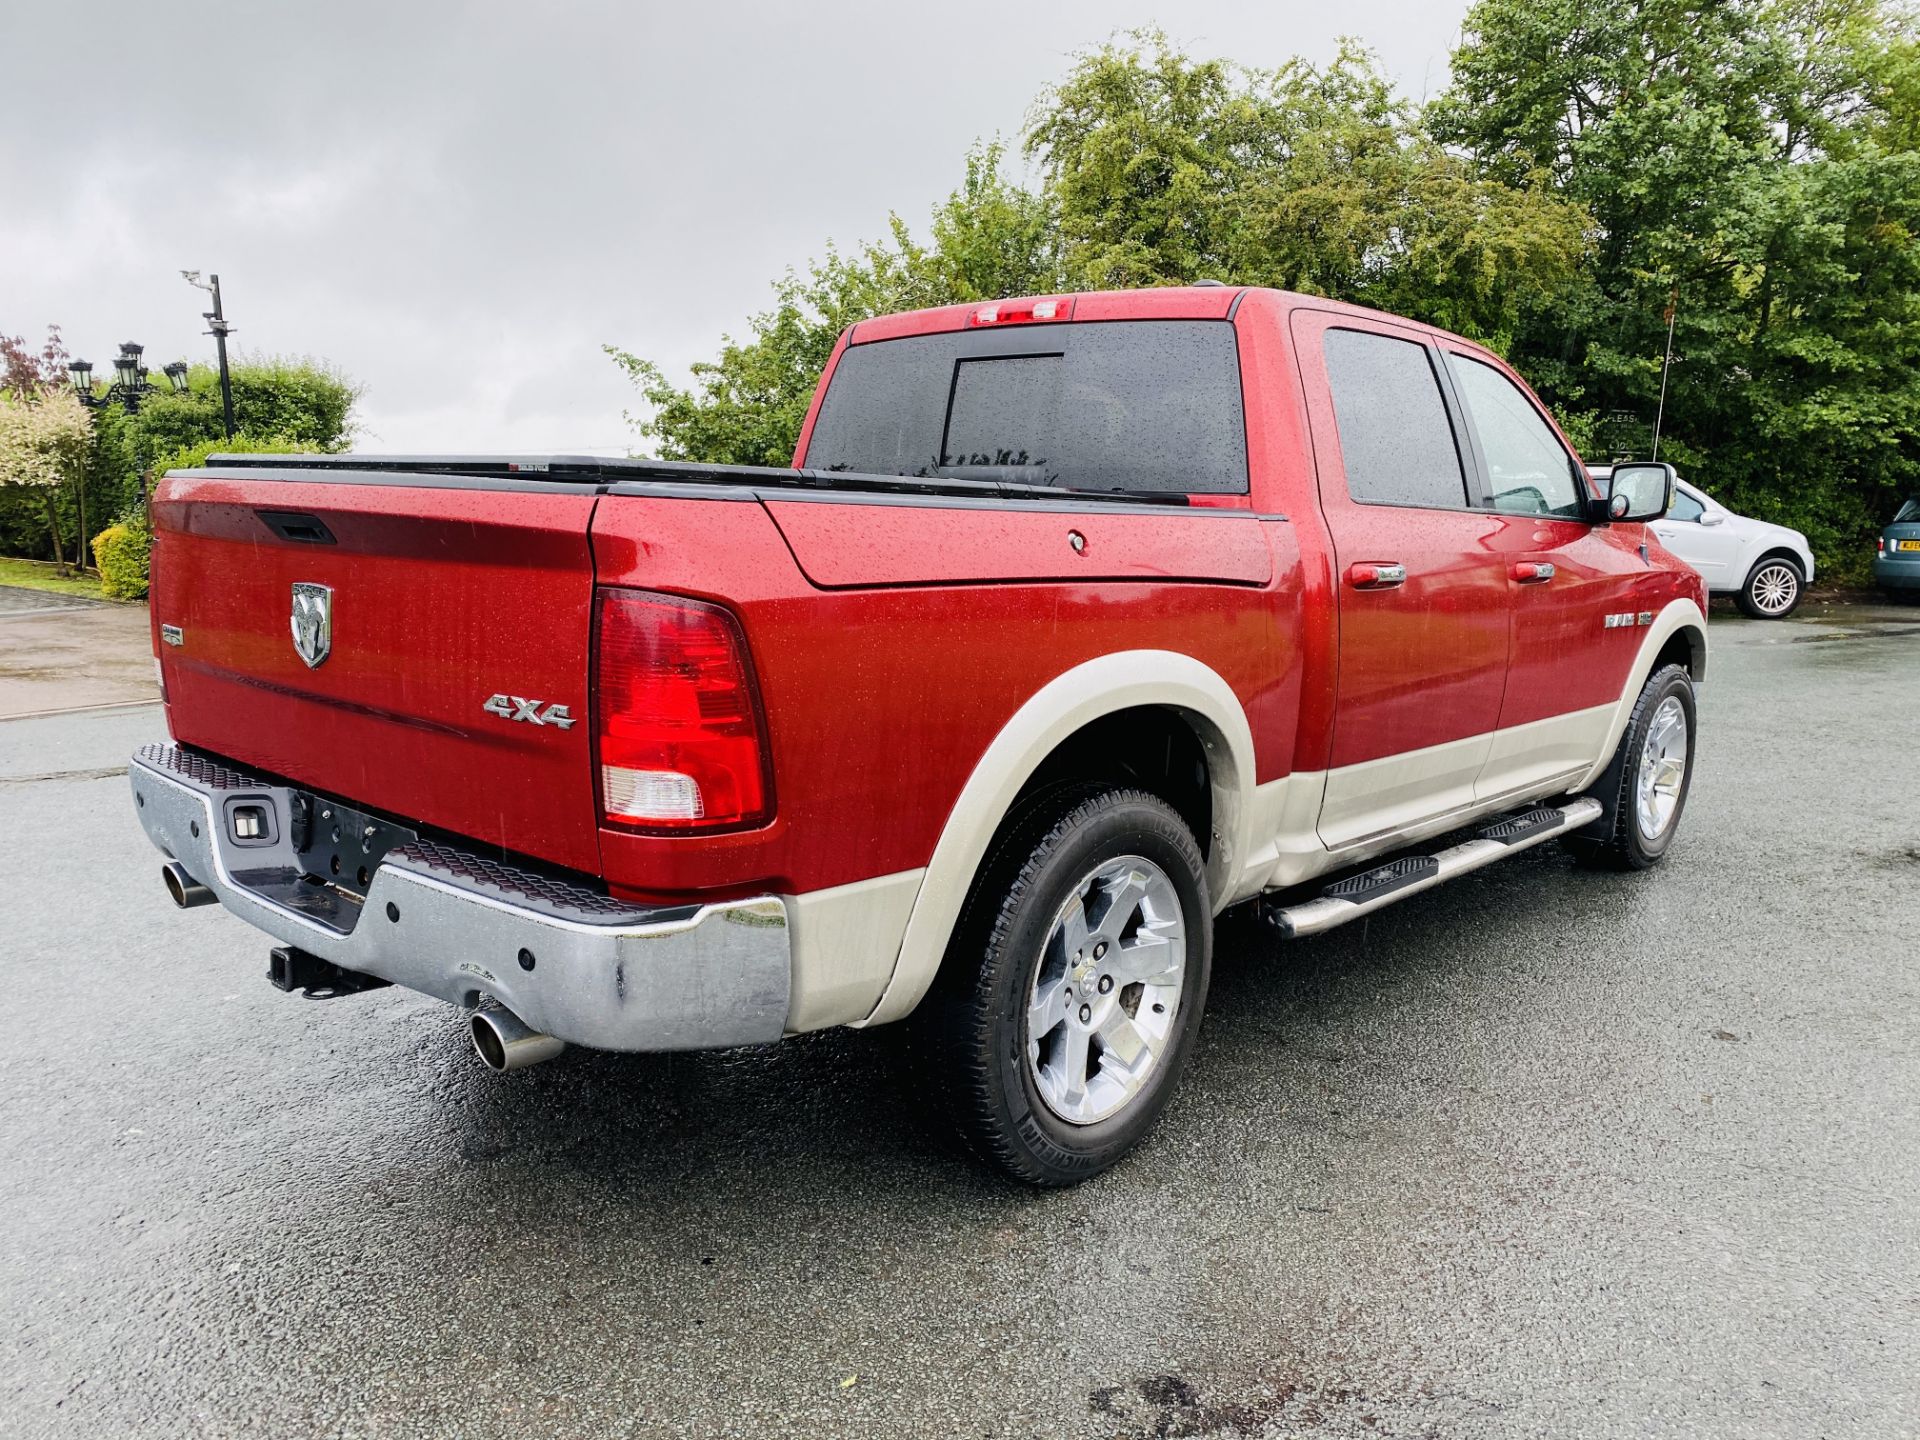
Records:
x=1906, y=544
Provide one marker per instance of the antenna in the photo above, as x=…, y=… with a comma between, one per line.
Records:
x=1673, y=309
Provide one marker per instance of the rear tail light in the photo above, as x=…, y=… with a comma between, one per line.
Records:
x=682, y=742
x=1021, y=312
x=1881, y=543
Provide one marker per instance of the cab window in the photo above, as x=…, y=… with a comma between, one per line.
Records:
x=1396, y=442
x=1528, y=470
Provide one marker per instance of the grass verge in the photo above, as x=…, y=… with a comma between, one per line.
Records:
x=39, y=575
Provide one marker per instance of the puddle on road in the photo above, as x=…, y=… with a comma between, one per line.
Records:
x=1874, y=632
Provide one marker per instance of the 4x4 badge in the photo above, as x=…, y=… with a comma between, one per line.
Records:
x=312, y=622
x=533, y=712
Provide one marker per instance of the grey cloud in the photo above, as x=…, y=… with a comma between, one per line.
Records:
x=459, y=203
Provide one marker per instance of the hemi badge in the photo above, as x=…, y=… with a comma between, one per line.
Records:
x=172, y=635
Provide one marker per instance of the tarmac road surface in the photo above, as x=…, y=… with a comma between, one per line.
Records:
x=1540, y=1153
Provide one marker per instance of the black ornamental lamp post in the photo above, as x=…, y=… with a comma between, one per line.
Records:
x=129, y=385
x=128, y=388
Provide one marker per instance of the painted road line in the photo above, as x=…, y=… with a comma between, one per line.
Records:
x=80, y=709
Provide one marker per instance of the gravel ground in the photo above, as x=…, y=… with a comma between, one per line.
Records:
x=1541, y=1153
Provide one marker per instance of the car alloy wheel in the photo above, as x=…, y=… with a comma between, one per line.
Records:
x=1663, y=769
x=1106, y=992
x=1775, y=588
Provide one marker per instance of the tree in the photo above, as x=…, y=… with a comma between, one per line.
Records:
x=1320, y=180
x=991, y=239
x=1157, y=169
x=44, y=439
x=1756, y=158
x=24, y=373
x=1591, y=160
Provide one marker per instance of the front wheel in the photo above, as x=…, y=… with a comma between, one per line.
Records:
x=1644, y=787
x=1070, y=998
x=1773, y=589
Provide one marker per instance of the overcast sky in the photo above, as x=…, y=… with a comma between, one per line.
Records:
x=459, y=204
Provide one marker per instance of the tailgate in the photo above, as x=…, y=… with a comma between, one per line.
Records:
x=438, y=595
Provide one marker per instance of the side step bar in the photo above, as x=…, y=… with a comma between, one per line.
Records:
x=1370, y=890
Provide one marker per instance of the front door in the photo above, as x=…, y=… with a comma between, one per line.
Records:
x=1702, y=538
x=1423, y=591
x=1566, y=576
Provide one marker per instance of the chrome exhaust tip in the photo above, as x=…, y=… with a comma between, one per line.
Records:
x=503, y=1041
x=186, y=891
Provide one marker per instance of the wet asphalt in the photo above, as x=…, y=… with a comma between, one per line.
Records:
x=1541, y=1153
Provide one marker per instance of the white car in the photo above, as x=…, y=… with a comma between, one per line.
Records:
x=1765, y=567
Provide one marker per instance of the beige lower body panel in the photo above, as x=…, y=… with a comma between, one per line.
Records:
x=845, y=942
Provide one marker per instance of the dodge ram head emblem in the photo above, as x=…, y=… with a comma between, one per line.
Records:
x=312, y=622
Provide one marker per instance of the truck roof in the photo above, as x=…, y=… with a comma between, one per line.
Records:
x=1208, y=300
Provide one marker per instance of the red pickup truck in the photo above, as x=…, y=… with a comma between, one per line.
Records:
x=1079, y=620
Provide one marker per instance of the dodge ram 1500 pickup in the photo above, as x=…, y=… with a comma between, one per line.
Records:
x=1078, y=620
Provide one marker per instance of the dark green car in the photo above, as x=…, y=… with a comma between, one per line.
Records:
x=1896, y=568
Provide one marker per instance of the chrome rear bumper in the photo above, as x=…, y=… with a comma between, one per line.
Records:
x=457, y=925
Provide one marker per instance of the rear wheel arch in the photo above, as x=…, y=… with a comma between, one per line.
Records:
x=1155, y=748
x=1059, y=737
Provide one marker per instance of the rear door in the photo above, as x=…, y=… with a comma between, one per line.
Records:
x=352, y=635
x=1565, y=576
x=1423, y=593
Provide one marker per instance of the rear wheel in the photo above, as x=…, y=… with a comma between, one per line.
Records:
x=1644, y=787
x=1773, y=589
x=1070, y=999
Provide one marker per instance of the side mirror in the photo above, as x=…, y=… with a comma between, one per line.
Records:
x=1712, y=517
x=1642, y=490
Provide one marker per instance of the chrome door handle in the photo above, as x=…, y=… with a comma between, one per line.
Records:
x=1532, y=572
x=1377, y=576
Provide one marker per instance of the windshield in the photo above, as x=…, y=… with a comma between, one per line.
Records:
x=1135, y=405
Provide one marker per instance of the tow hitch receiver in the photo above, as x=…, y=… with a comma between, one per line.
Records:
x=292, y=969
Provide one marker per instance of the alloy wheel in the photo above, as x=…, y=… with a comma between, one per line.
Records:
x=1775, y=588
x=1107, y=990
x=1663, y=769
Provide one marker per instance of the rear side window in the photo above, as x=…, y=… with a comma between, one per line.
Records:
x=1125, y=405
x=1395, y=437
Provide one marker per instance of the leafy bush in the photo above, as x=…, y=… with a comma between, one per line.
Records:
x=123, y=551
x=45, y=439
x=192, y=456
x=288, y=404
x=303, y=403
